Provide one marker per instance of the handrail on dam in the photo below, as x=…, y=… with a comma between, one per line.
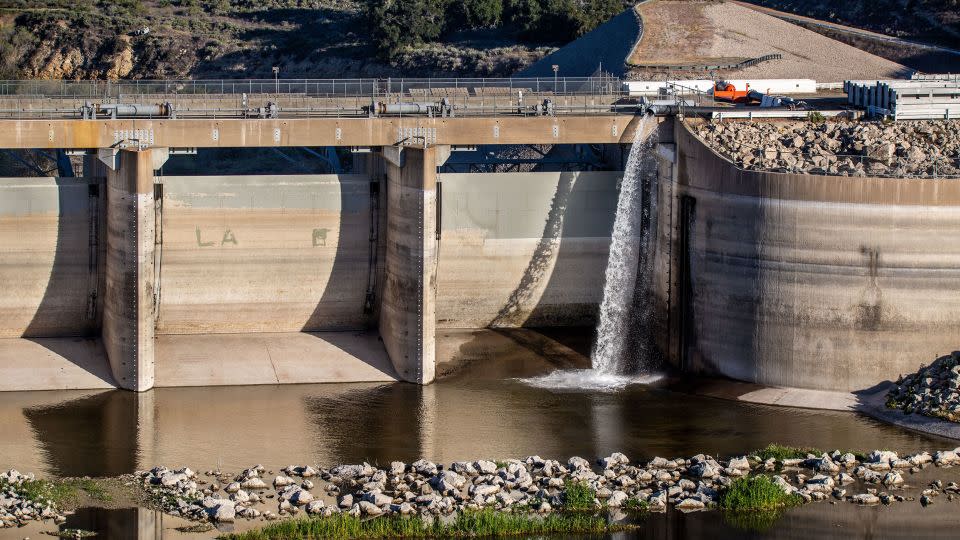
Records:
x=306, y=98
x=379, y=87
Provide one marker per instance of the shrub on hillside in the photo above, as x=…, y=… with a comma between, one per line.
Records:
x=396, y=24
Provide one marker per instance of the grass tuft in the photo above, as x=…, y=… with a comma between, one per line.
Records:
x=816, y=117
x=779, y=451
x=59, y=492
x=578, y=496
x=72, y=533
x=756, y=493
x=636, y=505
x=486, y=522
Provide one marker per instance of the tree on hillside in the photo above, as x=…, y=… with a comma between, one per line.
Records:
x=593, y=13
x=395, y=24
x=475, y=14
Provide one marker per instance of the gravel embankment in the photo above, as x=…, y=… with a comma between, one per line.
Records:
x=806, y=54
x=902, y=149
x=697, y=33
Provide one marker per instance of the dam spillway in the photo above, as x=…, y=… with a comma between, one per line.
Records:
x=257, y=277
x=828, y=282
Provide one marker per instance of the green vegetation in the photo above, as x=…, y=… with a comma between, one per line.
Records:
x=59, y=492
x=396, y=24
x=485, y=522
x=752, y=521
x=756, y=494
x=816, y=117
x=578, y=496
x=196, y=528
x=636, y=505
x=72, y=533
x=780, y=452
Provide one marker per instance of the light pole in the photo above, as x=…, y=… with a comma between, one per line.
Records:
x=276, y=78
x=555, y=68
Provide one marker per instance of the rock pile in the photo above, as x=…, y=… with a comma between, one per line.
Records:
x=933, y=390
x=531, y=484
x=842, y=148
x=16, y=508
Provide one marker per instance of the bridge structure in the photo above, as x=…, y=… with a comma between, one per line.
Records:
x=401, y=130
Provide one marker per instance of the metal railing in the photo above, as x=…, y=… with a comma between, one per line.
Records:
x=306, y=98
x=600, y=85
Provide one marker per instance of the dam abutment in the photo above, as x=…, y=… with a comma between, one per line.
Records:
x=807, y=280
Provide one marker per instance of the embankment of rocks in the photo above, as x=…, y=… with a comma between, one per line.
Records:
x=841, y=148
x=933, y=390
x=533, y=484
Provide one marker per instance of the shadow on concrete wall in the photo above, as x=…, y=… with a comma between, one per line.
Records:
x=710, y=308
x=644, y=354
x=67, y=321
x=357, y=226
x=94, y=435
x=64, y=309
x=352, y=241
x=571, y=231
x=511, y=313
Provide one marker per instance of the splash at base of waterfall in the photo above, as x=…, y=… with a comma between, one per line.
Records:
x=589, y=380
x=631, y=255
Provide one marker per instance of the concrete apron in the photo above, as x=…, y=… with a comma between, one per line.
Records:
x=870, y=402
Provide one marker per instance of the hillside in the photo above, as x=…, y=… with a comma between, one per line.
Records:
x=149, y=39
x=229, y=38
x=927, y=21
x=693, y=34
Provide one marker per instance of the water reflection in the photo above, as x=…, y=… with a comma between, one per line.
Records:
x=479, y=413
x=124, y=523
x=94, y=435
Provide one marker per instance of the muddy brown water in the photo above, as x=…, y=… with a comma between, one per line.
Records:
x=482, y=410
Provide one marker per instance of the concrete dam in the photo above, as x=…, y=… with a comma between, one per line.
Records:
x=131, y=278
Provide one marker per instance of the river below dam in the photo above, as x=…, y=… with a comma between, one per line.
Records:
x=482, y=409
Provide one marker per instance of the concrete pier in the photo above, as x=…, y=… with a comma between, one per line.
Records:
x=408, y=317
x=130, y=302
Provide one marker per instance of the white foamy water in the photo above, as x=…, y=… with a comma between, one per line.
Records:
x=589, y=379
x=609, y=358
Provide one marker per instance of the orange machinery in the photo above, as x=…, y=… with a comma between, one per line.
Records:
x=724, y=91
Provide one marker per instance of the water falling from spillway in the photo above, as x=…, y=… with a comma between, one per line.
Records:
x=629, y=246
x=629, y=264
